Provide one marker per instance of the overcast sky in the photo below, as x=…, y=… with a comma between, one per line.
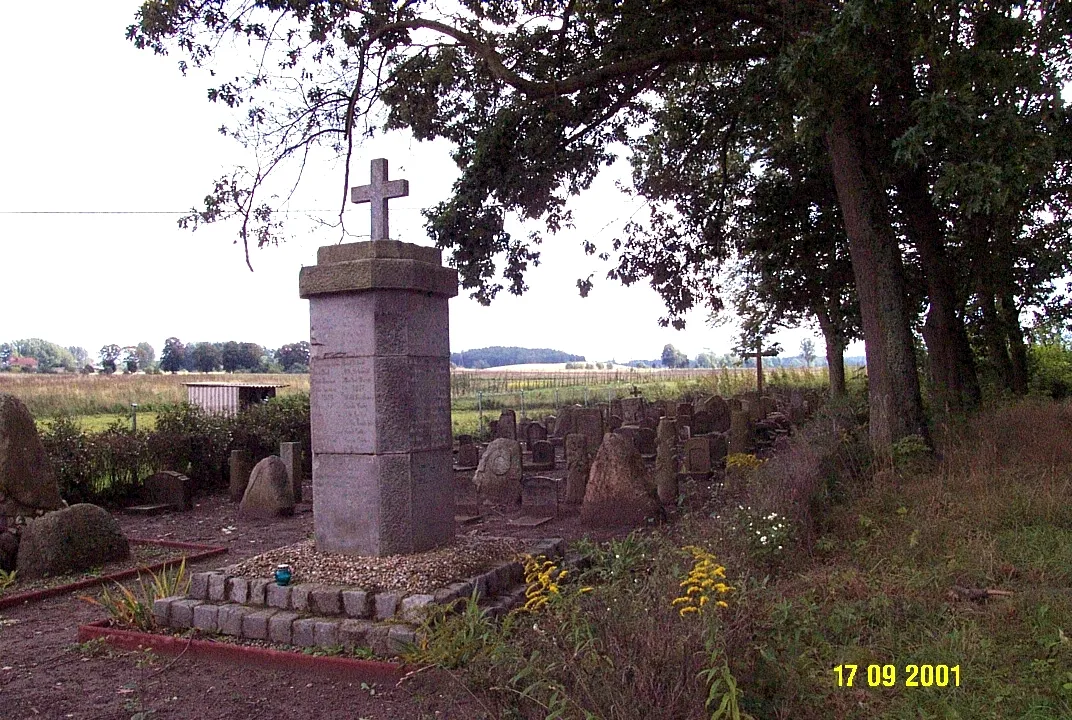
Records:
x=91, y=124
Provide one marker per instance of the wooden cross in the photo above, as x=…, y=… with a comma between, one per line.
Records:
x=377, y=194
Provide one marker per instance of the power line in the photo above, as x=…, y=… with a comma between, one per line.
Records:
x=166, y=212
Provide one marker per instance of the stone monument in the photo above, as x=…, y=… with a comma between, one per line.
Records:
x=380, y=389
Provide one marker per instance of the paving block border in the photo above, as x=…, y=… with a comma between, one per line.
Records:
x=312, y=614
x=352, y=669
x=202, y=552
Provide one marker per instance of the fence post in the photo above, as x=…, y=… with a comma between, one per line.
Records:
x=480, y=409
x=522, y=403
x=586, y=396
x=556, y=400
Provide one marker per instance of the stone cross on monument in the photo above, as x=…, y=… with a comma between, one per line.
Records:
x=377, y=194
x=379, y=393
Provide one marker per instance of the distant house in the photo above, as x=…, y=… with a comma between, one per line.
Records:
x=228, y=398
x=23, y=363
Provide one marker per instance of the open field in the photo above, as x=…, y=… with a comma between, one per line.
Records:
x=77, y=395
x=105, y=398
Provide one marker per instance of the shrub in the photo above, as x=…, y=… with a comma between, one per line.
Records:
x=1050, y=371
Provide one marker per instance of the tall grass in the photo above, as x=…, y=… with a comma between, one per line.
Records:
x=872, y=574
x=69, y=394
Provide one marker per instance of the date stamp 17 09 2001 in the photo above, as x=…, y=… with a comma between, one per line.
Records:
x=890, y=676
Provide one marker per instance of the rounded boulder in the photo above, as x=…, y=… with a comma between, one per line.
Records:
x=69, y=540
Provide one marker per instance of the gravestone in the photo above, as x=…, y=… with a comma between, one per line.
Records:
x=380, y=389
x=719, y=448
x=645, y=441
x=468, y=457
x=549, y=423
x=589, y=423
x=539, y=495
x=616, y=409
x=523, y=430
x=564, y=423
x=613, y=423
x=270, y=493
x=632, y=409
x=543, y=456
x=498, y=474
x=241, y=464
x=617, y=491
x=702, y=423
x=720, y=413
x=465, y=439
x=168, y=488
x=290, y=454
x=740, y=436
x=535, y=433
x=578, y=463
x=666, y=461
x=697, y=455
x=493, y=429
x=507, y=427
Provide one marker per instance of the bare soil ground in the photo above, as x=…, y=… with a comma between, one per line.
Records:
x=45, y=674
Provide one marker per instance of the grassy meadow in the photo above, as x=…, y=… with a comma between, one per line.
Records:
x=100, y=400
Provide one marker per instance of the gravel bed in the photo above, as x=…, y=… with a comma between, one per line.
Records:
x=420, y=572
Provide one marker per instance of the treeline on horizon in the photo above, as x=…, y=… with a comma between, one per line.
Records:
x=176, y=356
x=499, y=356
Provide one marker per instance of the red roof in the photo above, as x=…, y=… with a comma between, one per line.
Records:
x=23, y=362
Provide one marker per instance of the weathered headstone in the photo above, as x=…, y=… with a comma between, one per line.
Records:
x=523, y=430
x=720, y=413
x=535, y=432
x=168, y=488
x=549, y=423
x=719, y=448
x=380, y=389
x=543, y=455
x=589, y=422
x=645, y=441
x=498, y=475
x=697, y=454
x=617, y=492
x=290, y=454
x=616, y=409
x=740, y=437
x=613, y=423
x=702, y=423
x=564, y=423
x=684, y=413
x=269, y=493
x=26, y=477
x=465, y=439
x=241, y=465
x=74, y=538
x=539, y=495
x=632, y=409
x=578, y=464
x=507, y=427
x=666, y=461
x=468, y=457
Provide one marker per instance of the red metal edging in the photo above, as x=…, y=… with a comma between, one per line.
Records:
x=206, y=551
x=339, y=667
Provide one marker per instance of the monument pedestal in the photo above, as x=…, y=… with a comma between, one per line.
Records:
x=380, y=397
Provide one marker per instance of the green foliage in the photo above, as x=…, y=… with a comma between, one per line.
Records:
x=107, y=467
x=7, y=578
x=133, y=607
x=49, y=355
x=1050, y=371
x=497, y=356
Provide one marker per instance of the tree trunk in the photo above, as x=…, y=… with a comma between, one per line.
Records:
x=759, y=368
x=952, y=366
x=896, y=408
x=1017, y=346
x=835, y=357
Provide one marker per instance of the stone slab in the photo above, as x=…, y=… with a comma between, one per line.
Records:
x=356, y=276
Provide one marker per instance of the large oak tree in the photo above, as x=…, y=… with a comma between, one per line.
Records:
x=538, y=95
